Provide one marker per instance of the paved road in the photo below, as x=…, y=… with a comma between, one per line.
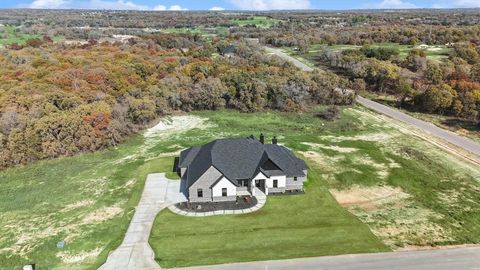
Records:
x=446, y=135
x=288, y=58
x=135, y=253
x=447, y=259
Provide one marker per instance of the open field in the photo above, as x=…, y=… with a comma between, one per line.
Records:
x=258, y=21
x=9, y=35
x=433, y=52
x=217, y=31
x=86, y=201
x=405, y=190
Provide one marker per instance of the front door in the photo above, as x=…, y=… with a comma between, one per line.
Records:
x=260, y=184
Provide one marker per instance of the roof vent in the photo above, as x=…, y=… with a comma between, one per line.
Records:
x=262, y=138
x=274, y=140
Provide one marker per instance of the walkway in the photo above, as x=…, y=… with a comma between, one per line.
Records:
x=261, y=200
x=442, y=259
x=135, y=252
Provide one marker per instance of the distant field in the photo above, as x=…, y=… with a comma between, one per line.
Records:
x=403, y=188
x=258, y=21
x=10, y=35
x=437, y=52
x=219, y=31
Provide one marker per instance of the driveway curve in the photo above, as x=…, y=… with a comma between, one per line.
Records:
x=135, y=252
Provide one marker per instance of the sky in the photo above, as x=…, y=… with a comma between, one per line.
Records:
x=237, y=4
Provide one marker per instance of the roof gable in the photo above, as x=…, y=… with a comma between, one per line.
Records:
x=240, y=158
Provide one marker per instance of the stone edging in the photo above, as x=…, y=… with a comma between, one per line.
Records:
x=260, y=203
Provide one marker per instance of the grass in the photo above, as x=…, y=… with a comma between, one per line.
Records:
x=313, y=224
x=258, y=21
x=49, y=201
x=287, y=227
x=469, y=129
x=13, y=36
x=206, y=32
x=437, y=52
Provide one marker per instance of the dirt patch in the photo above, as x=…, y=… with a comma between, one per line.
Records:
x=416, y=248
x=371, y=137
x=166, y=128
x=175, y=124
x=67, y=257
x=392, y=216
x=332, y=147
x=76, y=205
x=325, y=162
x=102, y=214
x=368, y=197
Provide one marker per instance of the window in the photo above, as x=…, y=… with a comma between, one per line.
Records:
x=295, y=178
x=200, y=193
x=275, y=183
x=224, y=192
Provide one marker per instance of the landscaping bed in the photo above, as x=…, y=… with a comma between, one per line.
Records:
x=288, y=192
x=202, y=207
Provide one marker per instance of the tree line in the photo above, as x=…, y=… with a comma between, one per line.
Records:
x=58, y=99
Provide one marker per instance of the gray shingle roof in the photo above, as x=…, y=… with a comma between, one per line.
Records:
x=240, y=158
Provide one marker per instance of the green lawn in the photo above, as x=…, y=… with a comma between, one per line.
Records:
x=361, y=151
x=437, y=52
x=287, y=227
x=12, y=36
x=258, y=21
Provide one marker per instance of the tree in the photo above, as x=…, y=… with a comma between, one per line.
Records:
x=415, y=61
x=475, y=73
x=433, y=73
x=437, y=99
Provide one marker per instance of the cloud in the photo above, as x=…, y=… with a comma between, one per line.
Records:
x=458, y=4
x=217, y=8
x=395, y=4
x=96, y=4
x=118, y=5
x=40, y=4
x=271, y=4
x=176, y=8
x=160, y=7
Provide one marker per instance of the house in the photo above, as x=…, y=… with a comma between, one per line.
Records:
x=225, y=169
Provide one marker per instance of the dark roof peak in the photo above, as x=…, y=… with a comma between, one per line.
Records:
x=239, y=158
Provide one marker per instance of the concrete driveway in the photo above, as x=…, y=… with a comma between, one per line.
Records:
x=135, y=252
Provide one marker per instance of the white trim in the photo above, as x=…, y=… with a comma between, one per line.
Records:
x=224, y=183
